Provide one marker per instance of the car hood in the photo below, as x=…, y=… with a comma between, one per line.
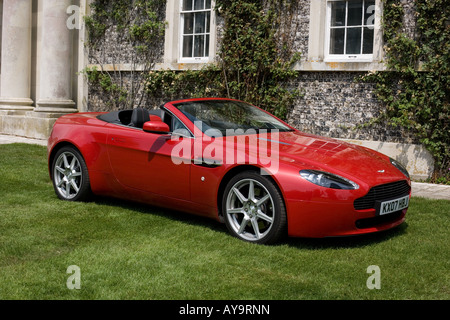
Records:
x=348, y=160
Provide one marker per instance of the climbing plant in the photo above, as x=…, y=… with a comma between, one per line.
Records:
x=124, y=41
x=415, y=89
x=257, y=52
x=254, y=62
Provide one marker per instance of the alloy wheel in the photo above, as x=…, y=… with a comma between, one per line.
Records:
x=68, y=175
x=250, y=210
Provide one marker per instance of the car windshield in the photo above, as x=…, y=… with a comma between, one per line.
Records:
x=229, y=117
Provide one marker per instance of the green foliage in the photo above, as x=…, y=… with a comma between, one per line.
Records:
x=136, y=27
x=254, y=61
x=256, y=56
x=415, y=89
x=138, y=20
x=173, y=85
x=106, y=83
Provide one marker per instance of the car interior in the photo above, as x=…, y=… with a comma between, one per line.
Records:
x=136, y=118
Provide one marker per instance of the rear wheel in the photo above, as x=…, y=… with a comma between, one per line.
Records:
x=253, y=209
x=70, y=175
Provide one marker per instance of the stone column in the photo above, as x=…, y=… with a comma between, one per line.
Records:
x=55, y=94
x=16, y=55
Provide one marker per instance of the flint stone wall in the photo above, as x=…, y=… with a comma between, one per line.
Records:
x=333, y=104
x=337, y=104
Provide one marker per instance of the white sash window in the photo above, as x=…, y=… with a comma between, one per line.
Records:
x=350, y=30
x=195, y=32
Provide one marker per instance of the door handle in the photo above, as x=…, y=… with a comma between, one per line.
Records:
x=207, y=163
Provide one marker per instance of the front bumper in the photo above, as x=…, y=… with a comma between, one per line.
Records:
x=312, y=219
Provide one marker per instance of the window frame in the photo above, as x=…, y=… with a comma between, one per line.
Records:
x=180, y=18
x=173, y=46
x=328, y=57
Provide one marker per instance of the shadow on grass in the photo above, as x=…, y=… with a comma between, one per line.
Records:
x=357, y=241
x=187, y=218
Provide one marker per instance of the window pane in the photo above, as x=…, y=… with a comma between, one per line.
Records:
x=208, y=19
x=208, y=4
x=337, y=41
x=199, y=46
x=369, y=12
x=368, y=41
x=199, y=4
x=187, y=5
x=187, y=46
x=188, y=23
x=207, y=46
x=338, y=13
x=353, y=41
x=355, y=10
x=200, y=22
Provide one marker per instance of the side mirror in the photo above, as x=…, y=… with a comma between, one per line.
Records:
x=156, y=125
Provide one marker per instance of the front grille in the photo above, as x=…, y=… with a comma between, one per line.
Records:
x=381, y=193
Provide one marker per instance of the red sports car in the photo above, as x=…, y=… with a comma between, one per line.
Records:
x=233, y=162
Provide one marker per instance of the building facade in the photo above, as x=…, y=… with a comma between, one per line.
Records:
x=43, y=54
x=39, y=64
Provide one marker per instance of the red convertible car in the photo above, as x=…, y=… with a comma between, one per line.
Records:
x=233, y=162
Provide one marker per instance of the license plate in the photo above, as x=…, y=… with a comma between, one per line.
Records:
x=393, y=205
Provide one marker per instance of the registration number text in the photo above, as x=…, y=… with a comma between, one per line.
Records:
x=394, y=205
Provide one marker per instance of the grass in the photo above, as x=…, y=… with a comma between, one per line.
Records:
x=131, y=251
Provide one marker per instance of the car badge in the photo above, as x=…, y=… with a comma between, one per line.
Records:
x=381, y=171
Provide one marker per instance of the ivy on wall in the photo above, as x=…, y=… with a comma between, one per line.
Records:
x=415, y=90
x=254, y=62
x=256, y=54
x=135, y=32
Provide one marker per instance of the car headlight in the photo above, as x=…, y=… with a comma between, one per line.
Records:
x=400, y=167
x=328, y=180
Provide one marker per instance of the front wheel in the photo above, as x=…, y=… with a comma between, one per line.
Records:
x=253, y=209
x=70, y=175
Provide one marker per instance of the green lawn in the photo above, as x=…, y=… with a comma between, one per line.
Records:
x=131, y=251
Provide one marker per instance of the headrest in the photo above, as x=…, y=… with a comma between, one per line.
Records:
x=139, y=117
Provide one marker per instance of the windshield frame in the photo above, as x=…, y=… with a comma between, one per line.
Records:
x=214, y=126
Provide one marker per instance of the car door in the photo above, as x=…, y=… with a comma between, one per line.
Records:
x=143, y=161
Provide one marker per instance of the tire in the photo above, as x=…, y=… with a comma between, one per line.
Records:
x=253, y=209
x=70, y=175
